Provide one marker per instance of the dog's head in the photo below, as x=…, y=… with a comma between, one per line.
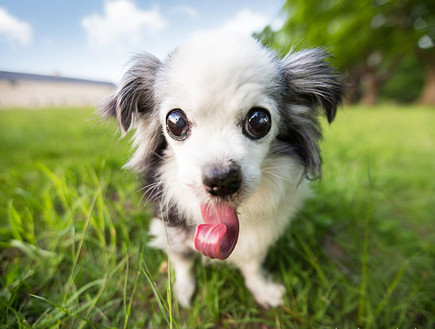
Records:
x=216, y=108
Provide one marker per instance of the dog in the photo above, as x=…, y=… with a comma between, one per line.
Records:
x=227, y=137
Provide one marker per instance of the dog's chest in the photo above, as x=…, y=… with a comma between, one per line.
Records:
x=260, y=230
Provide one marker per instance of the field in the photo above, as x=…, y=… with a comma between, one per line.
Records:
x=73, y=236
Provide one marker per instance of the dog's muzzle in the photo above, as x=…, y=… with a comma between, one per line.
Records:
x=222, y=181
x=217, y=237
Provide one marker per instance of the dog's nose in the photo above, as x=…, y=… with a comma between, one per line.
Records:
x=222, y=180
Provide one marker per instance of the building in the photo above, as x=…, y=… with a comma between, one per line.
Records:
x=23, y=90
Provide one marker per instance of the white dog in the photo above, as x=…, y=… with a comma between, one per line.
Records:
x=226, y=137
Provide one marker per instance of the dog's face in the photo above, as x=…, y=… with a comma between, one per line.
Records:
x=208, y=116
x=219, y=115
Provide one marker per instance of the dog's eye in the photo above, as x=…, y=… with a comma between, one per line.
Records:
x=177, y=124
x=257, y=123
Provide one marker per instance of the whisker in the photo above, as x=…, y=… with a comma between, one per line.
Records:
x=273, y=171
x=150, y=191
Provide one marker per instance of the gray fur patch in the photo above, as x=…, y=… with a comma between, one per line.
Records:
x=309, y=82
x=135, y=95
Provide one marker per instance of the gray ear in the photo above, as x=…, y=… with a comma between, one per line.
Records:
x=135, y=93
x=309, y=83
x=312, y=81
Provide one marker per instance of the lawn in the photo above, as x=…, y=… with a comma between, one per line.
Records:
x=73, y=236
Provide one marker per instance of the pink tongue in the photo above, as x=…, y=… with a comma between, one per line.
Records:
x=218, y=236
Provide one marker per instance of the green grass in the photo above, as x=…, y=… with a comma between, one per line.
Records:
x=73, y=232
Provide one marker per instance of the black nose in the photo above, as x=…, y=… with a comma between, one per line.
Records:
x=222, y=180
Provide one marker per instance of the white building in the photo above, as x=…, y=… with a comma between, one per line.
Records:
x=22, y=90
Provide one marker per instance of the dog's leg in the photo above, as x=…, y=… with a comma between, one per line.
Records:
x=266, y=292
x=180, y=254
x=184, y=278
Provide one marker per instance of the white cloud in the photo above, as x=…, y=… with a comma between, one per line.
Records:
x=122, y=23
x=277, y=23
x=185, y=10
x=14, y=29
x=244, y=22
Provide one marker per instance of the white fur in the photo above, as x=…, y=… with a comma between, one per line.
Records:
x=263, y=217
x=214, y=98
x=216, y=80
x=184, y=279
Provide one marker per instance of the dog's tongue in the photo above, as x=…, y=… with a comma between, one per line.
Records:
x=218, y=236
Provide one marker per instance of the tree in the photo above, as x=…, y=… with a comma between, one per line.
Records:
x=368, y=39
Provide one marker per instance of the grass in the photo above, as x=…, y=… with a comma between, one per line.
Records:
x=73, y=232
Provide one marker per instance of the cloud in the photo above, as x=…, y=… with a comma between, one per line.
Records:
x=122, y=23
x=244, y=22
x=185, y=10
x=277, y=23
x=14, y=29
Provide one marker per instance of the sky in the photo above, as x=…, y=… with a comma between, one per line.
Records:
x=95, y=39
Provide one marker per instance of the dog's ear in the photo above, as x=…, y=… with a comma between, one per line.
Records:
x=135, y=104
x=312, y=81
x=135, y=94
x=309, y=83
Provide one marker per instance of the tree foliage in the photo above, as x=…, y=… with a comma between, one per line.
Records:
x=369, y=39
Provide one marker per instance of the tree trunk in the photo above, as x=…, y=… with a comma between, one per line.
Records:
x=352, y=83
x=371, y=86
x=427, y=95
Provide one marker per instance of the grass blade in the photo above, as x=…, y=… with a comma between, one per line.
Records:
x=15, y=222
x=160, y=300
x=311, y=258
x=363, y=286
x=79, y=249
x=68, y=312
x=391, y=288
x=130, y=303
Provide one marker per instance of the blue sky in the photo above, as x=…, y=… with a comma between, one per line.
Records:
x=94, y=39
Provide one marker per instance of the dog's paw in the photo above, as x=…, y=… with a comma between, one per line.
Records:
x=184, y=290
x=266, y=292
x=269, y=294
x=157, y=234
